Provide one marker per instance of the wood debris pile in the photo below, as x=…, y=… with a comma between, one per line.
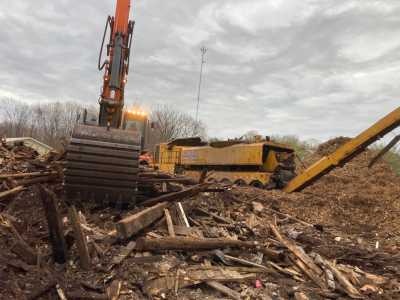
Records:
x=192, y=241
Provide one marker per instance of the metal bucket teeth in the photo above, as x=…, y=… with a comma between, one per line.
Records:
x=102, y=164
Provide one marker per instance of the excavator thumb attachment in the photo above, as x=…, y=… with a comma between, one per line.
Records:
x=102, y=164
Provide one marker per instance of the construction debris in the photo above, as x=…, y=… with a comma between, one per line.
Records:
x=203, y=241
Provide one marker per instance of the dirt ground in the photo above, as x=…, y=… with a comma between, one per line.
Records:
x=350, y=217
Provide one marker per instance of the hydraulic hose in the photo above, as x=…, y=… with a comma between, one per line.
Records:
x=99, y=65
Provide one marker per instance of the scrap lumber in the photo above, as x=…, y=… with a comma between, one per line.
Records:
x=119, y=258
x=314, y=277
x=224, y=290
x=133, y=224
x=170, y=225
x=80, y=238
x=224, y=257
x=344, y=282
x=114, y=290
x=187, y=192
x=181, y=215
x=54, y=222
x=60, y=292
x=11, y=192
x=23, y=175
x=185, y=243
x=297, y=251
x=195, y=276
x=300, y=296
x=215, y=216
x=40, y=179
x=290, y=217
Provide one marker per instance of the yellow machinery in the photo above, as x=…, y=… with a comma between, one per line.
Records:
x=345, y=153
x=260, y=164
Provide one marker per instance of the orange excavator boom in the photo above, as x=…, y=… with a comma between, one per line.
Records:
x=116, y=65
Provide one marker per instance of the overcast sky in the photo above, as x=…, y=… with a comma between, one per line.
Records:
x=312, y=68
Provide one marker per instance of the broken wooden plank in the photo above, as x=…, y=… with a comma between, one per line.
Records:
x=119, y=258
x=344, y=282
x=41, y=179
x=195, y=276
x=132, y=225
x=290, y=217
x=297, y=251
x=224, y=290
x=54, y=222
x=301, y=296
x=215, y=216
x=184, y=243
x=114, y=290
x=80, y=238
x=23, y=175
x=314, y=277
x=60, y=292
x=182, y=215
x=245, y=262
x=11, y=192
x=170, y=225
x=187, y=192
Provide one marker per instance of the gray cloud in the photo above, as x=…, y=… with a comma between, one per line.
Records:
x=313, y=68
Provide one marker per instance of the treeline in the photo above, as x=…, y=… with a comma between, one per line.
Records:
x=52, y=123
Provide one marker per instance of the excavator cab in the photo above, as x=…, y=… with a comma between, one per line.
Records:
x=136, y=121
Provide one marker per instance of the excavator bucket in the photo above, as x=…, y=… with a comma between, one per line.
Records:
x=102, y=164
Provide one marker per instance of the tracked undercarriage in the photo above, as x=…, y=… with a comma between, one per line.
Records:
x=102, y=164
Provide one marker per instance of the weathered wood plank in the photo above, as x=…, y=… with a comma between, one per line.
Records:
x=80, y=238
x=188, y=192
x=11, y=192
x=133, y=224
x=170, y=225
x=184, y=243
x=54, y=222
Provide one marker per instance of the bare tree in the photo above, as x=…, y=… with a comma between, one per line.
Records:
x=250, y=136
x=172, y=124
x=16, y=115
x=48, y=122
x=53, y=122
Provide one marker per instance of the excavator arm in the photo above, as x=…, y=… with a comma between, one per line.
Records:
x=116, y=66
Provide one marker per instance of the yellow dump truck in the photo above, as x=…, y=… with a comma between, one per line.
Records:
x=263, y=164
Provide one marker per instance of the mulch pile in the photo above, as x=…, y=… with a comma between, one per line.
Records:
x=338, y=239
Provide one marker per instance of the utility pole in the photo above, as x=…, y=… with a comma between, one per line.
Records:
x=203, y=52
